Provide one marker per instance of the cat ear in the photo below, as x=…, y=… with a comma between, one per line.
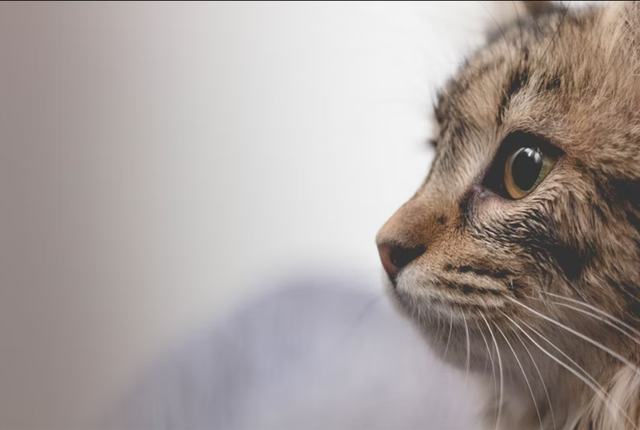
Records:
x=536, y=8
x=622, y=11
x=508, y=12
x=622, y=21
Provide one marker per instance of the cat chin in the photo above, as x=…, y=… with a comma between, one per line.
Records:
x=444, y=325
x=419, y=297
x=422, y=305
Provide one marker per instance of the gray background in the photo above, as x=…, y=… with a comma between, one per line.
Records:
x=161, y=164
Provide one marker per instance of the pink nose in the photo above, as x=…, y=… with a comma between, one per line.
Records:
x=394, y=257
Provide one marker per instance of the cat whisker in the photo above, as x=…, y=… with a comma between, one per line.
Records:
x=553, y=38
x=580, y=335
x=590, y=382
x=466, y=329
x=501, y=394
x=575, y=364
x=449, y=337
x=501, y=32
x=493, y=367
x=604, y=320
x=544, y=386
x=541, y=336
x=438, y=332
x=515, y=8
x=524, y=374
x=597, y=310
x=554, y=358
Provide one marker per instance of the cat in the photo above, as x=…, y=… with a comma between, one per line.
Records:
x=518, y=258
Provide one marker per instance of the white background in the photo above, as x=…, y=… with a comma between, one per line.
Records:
x=161, y=163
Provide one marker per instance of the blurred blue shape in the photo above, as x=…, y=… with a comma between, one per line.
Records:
x=316, y=354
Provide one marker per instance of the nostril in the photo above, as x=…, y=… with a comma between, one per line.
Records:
x=400, y=257
x=395, y=257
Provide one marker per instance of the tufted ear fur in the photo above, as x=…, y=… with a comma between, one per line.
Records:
x=620, y=410
x=535, y=8
x=521, y=10
x=619, y=40
x=623, y=11
x=622, y=20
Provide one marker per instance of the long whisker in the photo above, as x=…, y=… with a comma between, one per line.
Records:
x=601, y=391
x=541, y=336
x=553, y=38
x=595, y=309
x=554, y=358
x=438, y=334
x=544, y=386
x=519, y=23
x=466, y=329
x=533, y=397
x=500, y=367
x=608, y=319
x=501, y=32
x=448, y=338
x=604, y=320
x=493, y=367
x=580, y=335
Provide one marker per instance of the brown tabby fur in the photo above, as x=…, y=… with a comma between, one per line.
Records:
x=572, y=77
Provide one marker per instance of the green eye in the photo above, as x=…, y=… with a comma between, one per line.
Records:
x=521, y=164
x=525, y=168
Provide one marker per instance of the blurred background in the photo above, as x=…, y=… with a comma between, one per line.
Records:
x=163, y=163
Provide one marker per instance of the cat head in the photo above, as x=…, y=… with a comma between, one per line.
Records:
x=533, y=198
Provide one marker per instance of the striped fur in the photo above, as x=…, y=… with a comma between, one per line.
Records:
x=546, y=289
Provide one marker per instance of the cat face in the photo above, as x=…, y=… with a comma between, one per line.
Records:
x=534, y=192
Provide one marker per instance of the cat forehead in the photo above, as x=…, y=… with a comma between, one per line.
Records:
x=515, y=72
x=557, y=76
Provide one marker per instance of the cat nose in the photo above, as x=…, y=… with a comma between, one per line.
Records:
x=395, y=257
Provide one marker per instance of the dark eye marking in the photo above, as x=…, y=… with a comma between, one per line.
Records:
x=517, y=80
x=569, y=261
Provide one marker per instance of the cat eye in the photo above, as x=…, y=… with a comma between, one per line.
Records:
x=522, y=163
x=524, y=169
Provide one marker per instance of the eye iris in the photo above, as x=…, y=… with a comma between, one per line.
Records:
x=526, y=167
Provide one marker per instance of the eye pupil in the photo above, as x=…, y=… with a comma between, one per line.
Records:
x=522, y=163
x=526, y=167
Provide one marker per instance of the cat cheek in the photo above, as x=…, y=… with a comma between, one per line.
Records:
x=490, y=209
